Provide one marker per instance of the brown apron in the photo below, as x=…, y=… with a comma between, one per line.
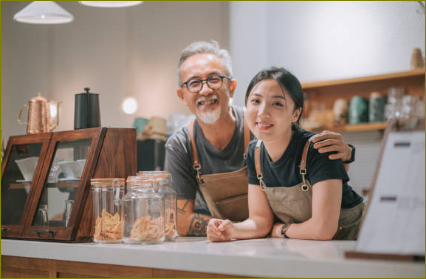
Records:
x=224, y=193
x=294, y=204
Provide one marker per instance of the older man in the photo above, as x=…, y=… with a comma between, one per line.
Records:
x=207, y=156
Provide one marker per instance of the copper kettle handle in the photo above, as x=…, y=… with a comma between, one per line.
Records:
x=57, y=118
x=19, y=115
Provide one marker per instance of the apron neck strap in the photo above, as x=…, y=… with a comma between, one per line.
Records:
x=257, y=161
x=257, y=165
x=195, y=162
x=305, y=156
x=246, y=135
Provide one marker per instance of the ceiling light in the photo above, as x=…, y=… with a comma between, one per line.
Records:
x=43, y=12
x=110, y=4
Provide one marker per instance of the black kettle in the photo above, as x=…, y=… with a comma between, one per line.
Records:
x=87, y=112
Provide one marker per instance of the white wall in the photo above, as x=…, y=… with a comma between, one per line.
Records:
x=115, y=52
x=324, y=40
x=327, y=40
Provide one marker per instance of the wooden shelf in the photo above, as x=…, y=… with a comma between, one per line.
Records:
x=25, y=185
x=350, y=81
x=379, y=126
x=64, y=184
x=60, y=184
x=323, y=94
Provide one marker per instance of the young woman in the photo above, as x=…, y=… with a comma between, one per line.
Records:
x=289, y=180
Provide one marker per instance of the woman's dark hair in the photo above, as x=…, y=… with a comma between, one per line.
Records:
x=286, y=80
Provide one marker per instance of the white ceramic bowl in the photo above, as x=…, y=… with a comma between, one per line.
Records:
x=27, y=167
x=70, y=169
x=81, y=163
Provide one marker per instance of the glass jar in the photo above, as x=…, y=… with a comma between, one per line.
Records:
x=107, y=209
x=393, y=108
x=409, y=106
x=164, y=178
x=143, y=212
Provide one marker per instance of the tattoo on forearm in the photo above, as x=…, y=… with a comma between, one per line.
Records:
x=198, y=225
x=182, y=210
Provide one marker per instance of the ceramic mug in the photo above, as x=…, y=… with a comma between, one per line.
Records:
x=358, y=110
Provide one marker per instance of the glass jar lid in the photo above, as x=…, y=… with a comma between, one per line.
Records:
x=141, y=181
x=157, y=174
x=107, y=182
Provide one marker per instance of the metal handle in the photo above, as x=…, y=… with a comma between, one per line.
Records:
x=19, y=115
x=40, y=231
x=5, y=230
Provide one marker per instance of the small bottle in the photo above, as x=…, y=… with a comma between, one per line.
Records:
x=107, y=209
x=417, y=60
x=143, y=212
x=164, y=179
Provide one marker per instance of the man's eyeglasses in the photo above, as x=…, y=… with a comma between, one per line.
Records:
x=196, y=85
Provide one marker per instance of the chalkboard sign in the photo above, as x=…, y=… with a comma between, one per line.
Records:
x=394, y=222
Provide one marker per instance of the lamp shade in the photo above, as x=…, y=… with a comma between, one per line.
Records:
x=110, y=4
x=43, y=12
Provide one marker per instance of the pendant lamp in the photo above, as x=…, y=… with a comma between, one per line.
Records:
x=43, y=12
x=110, y=4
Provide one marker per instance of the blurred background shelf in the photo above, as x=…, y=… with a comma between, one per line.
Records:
x=379, y=126
x=320, y=97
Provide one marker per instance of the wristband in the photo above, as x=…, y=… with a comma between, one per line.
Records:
x=352, y=155
x=284, y=229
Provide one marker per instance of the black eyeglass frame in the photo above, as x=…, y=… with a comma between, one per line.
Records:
x=205, y=80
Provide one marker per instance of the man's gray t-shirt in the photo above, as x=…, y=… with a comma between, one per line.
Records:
x=178, y=160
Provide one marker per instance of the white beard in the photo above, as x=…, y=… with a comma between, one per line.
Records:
x=209, y=116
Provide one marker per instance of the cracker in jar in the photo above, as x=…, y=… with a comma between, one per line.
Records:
x=145, y=229
x=108, y=227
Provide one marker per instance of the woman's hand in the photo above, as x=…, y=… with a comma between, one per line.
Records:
x=328, y=141
x=220, y=230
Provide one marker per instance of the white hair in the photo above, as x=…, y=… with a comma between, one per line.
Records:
x=206, y=47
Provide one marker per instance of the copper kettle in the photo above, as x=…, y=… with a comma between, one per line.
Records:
x=39, y=118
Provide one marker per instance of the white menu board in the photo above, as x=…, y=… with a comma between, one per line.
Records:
x=395, y=220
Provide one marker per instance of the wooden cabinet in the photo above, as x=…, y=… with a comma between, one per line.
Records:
x=327, y=92
x=46, y=180
x=22, y=267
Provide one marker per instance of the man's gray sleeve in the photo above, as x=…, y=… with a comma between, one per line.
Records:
x=178, y=162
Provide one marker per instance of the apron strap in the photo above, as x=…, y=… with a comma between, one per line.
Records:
x=246, y=135
x=195, y=163
x=305, y=186
x=305, y=157
x=257, y=164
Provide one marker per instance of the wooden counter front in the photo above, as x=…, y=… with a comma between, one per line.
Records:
x=197, y=257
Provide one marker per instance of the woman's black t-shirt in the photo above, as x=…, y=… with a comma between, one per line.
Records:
x=285, y=171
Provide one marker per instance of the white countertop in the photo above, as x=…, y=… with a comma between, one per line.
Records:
x=257, y=257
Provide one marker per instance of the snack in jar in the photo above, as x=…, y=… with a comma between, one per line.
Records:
x=143, y=210
x=164, y=178
x=107, y=210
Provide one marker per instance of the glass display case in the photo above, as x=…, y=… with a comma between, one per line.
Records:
x=57, y=204
x=20, y=172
